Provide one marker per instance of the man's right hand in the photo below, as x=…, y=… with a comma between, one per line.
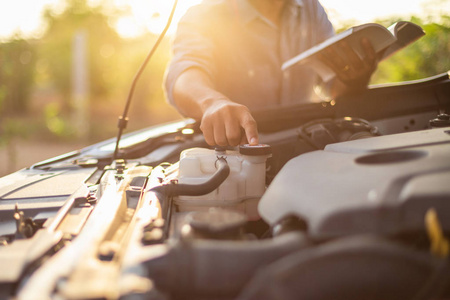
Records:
x=228, y=123
x=223, y=122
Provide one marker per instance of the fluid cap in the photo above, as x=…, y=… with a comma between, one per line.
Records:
x=217, y=221
x=260, y=149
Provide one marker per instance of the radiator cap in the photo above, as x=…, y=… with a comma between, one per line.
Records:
x=260, y=149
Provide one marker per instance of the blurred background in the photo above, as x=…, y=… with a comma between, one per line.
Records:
x=66, y=66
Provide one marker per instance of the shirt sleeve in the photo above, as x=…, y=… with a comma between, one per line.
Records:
x=323, y=23
x=192, y=48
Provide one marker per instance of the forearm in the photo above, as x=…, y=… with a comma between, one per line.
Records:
x=193, y=92
x=223, y=121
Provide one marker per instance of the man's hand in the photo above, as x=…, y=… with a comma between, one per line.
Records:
x=228, y=123
x=223, y=121
x=353, y=72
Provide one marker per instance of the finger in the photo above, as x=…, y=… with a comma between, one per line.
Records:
x=243, y=138
x=368, y=49
x=208, y=132
x=251, y=129
x=220, y=137
x=327, y=61
x=335, y=58
x=337, y=64
x=371, y=56
x=233, y=133
x=352, y=58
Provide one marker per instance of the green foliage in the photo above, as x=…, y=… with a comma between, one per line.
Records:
x=17, y=60
x=113, y=62
x=56, y=46
x=16, y=76
x=426, y=57
x=55, y=122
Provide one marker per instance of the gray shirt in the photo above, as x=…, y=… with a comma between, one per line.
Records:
x=242, y=51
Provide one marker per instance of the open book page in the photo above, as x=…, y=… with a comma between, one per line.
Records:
x=380, y=37
x=406, y=33
x=305, y=56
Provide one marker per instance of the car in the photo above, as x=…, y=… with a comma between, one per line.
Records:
x=343, y=199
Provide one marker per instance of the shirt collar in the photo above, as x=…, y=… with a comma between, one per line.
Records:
x=247, y=13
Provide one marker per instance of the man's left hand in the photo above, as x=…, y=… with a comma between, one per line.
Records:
x=352, y=71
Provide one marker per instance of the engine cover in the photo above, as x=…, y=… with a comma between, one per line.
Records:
x=379, y=185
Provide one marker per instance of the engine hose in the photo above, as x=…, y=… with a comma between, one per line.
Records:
x=171, y=189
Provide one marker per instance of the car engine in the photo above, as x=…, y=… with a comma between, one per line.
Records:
x=329, y=206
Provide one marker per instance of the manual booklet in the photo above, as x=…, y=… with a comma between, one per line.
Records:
x=385, y=42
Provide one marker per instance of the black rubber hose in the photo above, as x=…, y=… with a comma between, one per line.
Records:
x=170, y=190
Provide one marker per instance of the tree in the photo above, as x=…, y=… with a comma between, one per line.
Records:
x=55, y=48
x=426, y=57
x=17, y=61
x=113, y=62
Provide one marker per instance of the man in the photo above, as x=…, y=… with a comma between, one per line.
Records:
x=228, y=56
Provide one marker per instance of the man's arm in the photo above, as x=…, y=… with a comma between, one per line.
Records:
x=223, y=121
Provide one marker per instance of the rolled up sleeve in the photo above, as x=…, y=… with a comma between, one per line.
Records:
x=192, y=48
x=324, y=25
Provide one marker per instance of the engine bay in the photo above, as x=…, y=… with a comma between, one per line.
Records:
x=329, y=206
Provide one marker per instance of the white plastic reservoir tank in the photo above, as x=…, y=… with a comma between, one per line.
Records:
x=240, y=191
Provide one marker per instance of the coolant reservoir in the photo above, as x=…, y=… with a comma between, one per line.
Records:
x=240, y=191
